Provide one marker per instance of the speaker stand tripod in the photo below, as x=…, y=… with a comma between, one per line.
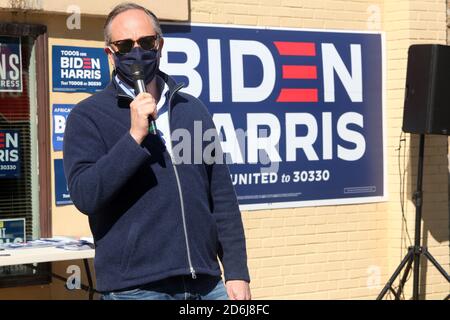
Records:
x=414, y=252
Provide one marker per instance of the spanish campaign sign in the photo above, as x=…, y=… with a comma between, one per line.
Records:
x=62, y=196
x=79, y=69
x=12, y=230
x=10, y=64
x=60, y=114
x=9, y=154
x=300, y=112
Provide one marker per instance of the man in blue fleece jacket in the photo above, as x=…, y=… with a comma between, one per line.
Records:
x=160, y=224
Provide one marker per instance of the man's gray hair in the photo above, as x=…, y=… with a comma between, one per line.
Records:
x=125, y=7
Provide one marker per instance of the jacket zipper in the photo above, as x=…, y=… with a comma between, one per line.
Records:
x=180, y=192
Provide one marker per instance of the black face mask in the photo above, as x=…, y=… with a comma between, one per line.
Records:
x=148, y=58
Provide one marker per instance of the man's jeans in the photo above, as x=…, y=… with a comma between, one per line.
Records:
x=175, y=288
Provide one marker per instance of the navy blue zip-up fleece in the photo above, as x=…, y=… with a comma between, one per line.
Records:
x=133, y=200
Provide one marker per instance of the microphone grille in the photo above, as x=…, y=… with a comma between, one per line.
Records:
x=137, y=71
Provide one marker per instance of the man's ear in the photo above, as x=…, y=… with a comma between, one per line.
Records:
x=110, y=53
x=160, y=46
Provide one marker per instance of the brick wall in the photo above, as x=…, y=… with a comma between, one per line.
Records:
x=348, y=252
x=448, y=140
x=448, y=21
x=406, y=23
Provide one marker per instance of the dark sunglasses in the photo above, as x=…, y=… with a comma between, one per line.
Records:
x=146, y=43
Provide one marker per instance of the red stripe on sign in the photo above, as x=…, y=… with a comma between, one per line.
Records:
x=298, y=95
x=2, y=145
x=296, y=48
x=299, y=72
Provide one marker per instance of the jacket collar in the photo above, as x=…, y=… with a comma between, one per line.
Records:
x=124, y=98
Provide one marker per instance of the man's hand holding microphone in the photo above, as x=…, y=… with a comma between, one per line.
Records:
x=143, y=110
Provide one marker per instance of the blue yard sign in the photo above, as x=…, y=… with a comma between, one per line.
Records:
x=12, y=230
x=79, y=69
x=62, y=196
x=59, y=114
x=9, y=154
x=10, y=64
x=300, y=112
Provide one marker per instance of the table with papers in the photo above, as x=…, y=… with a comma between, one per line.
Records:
x=49, y=251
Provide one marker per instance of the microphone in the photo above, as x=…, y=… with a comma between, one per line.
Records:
x=137, y=72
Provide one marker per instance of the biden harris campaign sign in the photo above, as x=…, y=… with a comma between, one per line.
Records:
x=60, y=112
x=62, y=196
x=299, y=112
x=10, y=64
x=9, y=154
x=79, y=69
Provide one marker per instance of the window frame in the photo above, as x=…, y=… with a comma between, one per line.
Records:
x=39, y=33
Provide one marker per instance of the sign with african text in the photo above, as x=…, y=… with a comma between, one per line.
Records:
x=60, y=114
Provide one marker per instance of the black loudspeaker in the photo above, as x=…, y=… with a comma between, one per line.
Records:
x=427, y=96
